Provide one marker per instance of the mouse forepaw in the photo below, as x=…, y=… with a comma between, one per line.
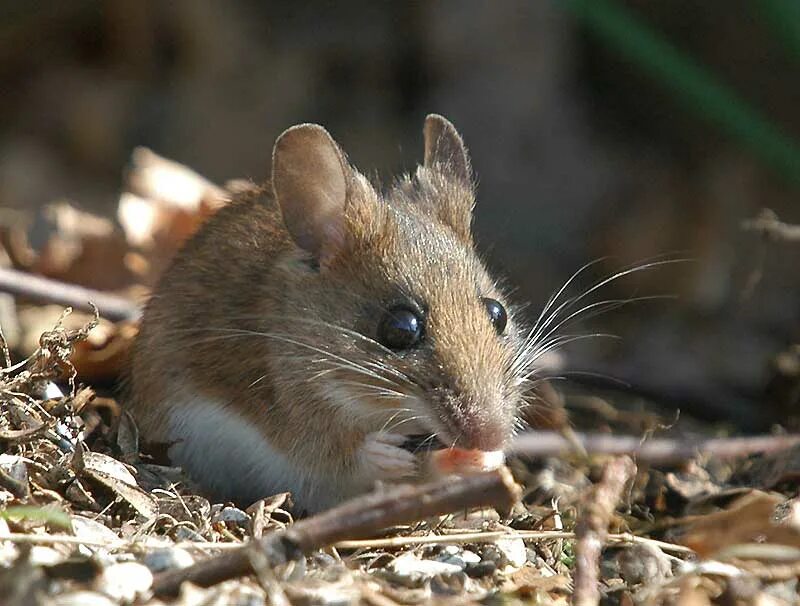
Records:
x=382, y=458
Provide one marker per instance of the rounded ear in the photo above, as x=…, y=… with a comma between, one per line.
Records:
x=445, y=150
x=309, y=180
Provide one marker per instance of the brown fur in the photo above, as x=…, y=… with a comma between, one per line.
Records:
x=244, y=271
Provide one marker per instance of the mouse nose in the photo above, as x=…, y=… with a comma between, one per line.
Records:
x=486, y=435
x=481, y=427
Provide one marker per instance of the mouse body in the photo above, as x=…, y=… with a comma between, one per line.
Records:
x=313, y=324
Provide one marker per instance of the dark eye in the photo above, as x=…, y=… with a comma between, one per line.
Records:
x=497, y=314
x=400, y=328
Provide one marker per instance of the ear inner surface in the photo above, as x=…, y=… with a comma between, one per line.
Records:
x=445, y=150
x=448, y=174
x=309, y=179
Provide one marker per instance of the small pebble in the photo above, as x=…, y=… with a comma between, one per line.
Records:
x=322, y=596
x=643, y=563
x=8, y=551
x=480, y=569
x=125, y=581
x=167, y=558
x=89, y=529
x=514, y=552
x=323, y=560
x=410, y=570
x=184, y=533
x=458, y=557
x=45, y=556
x=82, y=598
x=232, y=515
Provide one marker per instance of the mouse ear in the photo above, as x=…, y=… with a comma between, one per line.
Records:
x=445, y=150
x=309, y=179
x=447, y=172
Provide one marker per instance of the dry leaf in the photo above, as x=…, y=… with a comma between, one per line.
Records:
x=103, y=356
x=82, y=249
x=750, y=518
x=691, y=593
x=115, y=476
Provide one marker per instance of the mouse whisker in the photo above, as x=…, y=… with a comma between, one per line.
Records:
x=375, y=390
x=600, y=284
x=240, y=332
x=553, y=298
x=257, y=381
x=316, y=322
x=427, y=444
x=397, y=424
x=599, y=308
x=376, y=363
x=392, y=380
x=551, y=319
x=392, y=418
x=557, y=343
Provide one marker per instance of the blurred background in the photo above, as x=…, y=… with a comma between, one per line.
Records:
x=622, y=130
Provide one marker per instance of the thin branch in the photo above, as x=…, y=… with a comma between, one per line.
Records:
x=23, y=435
x=111, y=307
x=18, y=488
x=384, y=543
x=488, y=537
x=768, y=226
x=360, y=517
x=655, y=450
x=5, y=351
x=591, y=531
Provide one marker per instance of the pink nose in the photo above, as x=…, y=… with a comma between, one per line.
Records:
x=485, y=438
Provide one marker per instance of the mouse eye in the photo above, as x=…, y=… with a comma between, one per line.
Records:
x=497, y=314
x=400, y=328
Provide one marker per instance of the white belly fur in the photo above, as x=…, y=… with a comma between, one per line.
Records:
x=223, y=452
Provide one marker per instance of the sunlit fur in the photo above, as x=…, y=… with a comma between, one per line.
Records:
x=247, y=337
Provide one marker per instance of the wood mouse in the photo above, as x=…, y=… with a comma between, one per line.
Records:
x=313, y=324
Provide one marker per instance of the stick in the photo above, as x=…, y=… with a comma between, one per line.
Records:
x=16, y=487
x=111, y=307
x=656, y=450
x=769, y=226
x=355, y=519
x=385, y=543
x=489, y=537
x=591, y=531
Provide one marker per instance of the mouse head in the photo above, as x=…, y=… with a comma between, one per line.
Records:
x=410, y=332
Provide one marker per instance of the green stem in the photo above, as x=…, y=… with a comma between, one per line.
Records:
x=783, y=16
x=692, y=85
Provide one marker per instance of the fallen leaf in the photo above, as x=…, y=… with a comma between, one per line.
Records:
x=750, y=518
x=116, y=477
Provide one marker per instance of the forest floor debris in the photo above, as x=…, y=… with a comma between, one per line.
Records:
x=89, y=516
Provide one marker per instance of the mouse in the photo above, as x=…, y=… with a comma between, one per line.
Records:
x=319, y=334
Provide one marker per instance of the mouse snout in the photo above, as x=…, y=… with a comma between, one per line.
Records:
x=481, y=432
x=477, y=425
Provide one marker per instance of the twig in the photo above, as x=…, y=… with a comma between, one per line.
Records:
x=18, y=488
x=23, y=435
x=768, y=226
x=5, y=350
x=591, y=531
x=357, y=518
x=656, y=450
x=111, y=307
x=487, y=537
x=446, y=539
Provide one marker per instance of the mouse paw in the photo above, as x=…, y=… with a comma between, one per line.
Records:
x=382, y=458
